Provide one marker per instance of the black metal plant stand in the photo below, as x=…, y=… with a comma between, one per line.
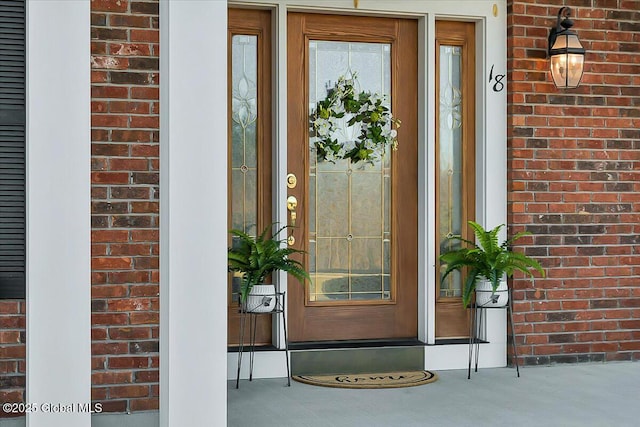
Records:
x=253, y=315
x=476, y=327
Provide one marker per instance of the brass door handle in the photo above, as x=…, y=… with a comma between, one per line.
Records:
x=292, y=204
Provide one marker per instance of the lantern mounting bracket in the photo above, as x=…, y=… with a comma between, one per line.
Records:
x=563, y=25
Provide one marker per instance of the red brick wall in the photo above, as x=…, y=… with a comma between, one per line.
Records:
x=125, y=205
x=12, y=352
x=574, y=182
x=125, y=178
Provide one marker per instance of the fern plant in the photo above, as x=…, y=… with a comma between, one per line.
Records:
x=258, y=257
x=487, y=260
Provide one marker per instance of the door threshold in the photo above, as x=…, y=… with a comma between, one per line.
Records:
x=356, y=357
x=326, y=345
x=257, y=347
x=452, y=341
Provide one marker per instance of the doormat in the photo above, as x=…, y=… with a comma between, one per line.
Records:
x=376, y=380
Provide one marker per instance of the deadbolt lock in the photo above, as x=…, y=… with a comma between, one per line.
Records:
x=292, y=181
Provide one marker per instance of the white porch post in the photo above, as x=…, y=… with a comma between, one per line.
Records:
x=193, y=212
x=58, y=212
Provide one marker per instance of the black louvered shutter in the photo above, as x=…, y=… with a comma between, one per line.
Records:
x=12, y=148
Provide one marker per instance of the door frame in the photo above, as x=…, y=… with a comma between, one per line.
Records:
x=491, y=151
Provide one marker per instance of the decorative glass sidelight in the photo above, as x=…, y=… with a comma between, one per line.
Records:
x=244, y=150
x=450, y=203
x=349, y=204
x=244, y=115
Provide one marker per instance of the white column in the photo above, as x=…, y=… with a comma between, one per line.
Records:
x=58, y=212
x=193, y=213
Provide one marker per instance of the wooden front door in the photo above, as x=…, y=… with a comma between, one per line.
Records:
x=357, y=222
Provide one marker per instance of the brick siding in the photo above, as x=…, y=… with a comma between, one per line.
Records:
x=574, y=182
x=125, y=205
x=12, y=352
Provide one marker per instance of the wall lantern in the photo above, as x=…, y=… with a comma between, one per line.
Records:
x=566, y=52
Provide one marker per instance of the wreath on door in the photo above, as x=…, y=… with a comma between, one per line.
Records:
x=344, y=105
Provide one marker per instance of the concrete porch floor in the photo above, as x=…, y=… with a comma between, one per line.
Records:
x=600, y=395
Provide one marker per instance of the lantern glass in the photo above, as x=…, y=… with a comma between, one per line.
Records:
x=567, y=61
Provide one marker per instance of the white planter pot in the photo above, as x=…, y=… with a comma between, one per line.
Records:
x=261, y=299
x=485, y=297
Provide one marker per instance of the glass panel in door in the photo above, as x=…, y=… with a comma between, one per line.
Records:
x=450, y=203
x=349, y=203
